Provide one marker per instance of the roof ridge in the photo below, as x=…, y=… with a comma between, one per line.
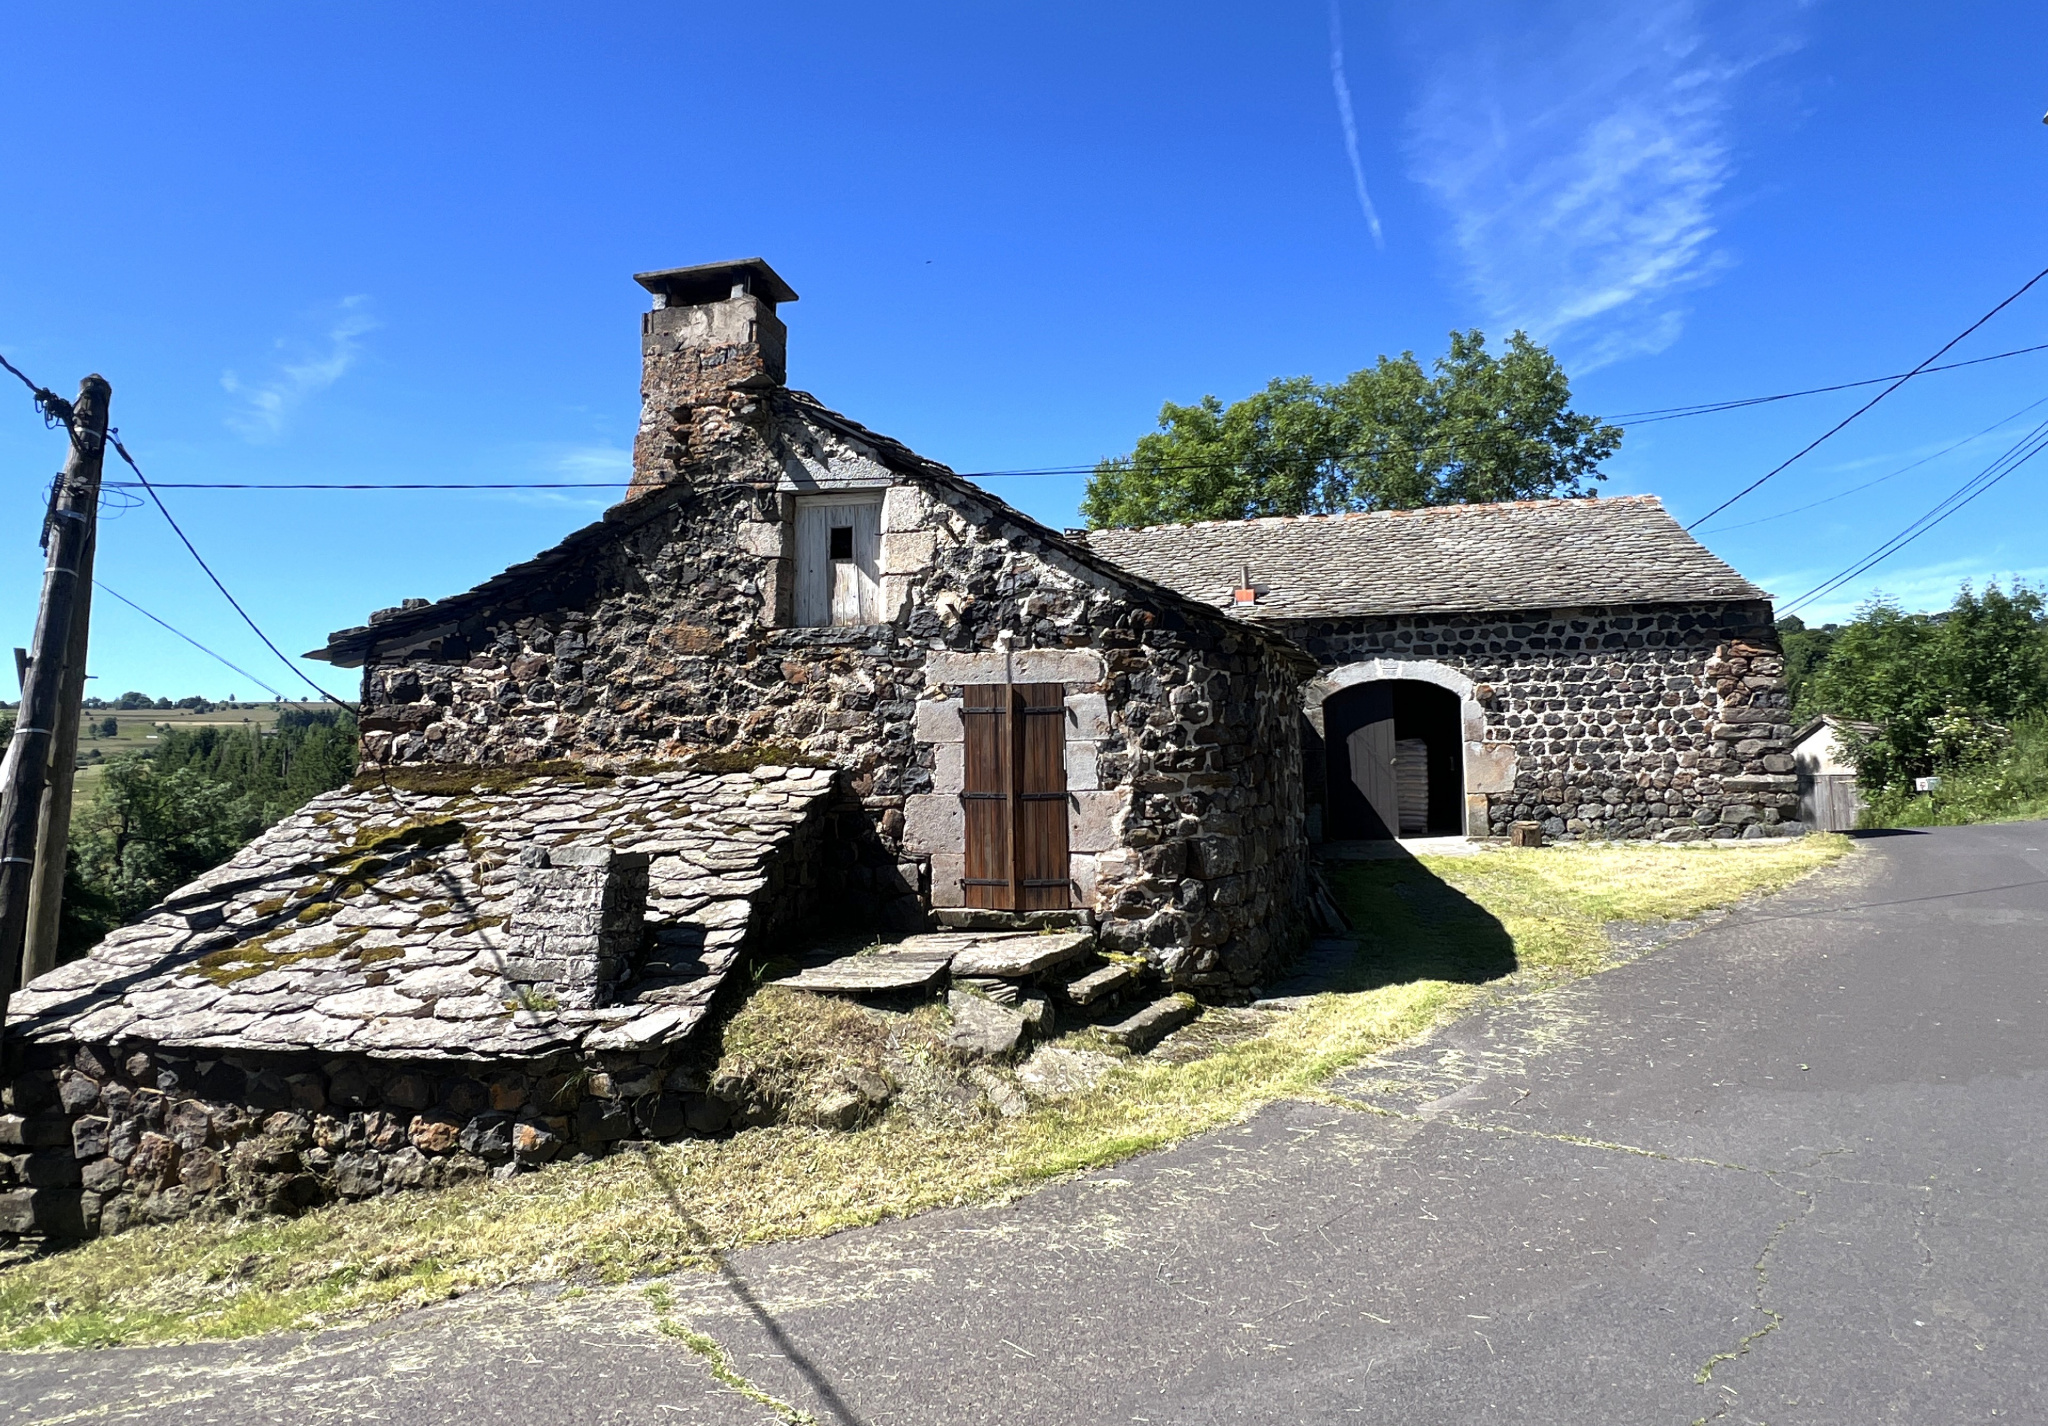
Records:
x=1460, y=507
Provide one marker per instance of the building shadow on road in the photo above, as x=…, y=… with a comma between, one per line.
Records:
x=1414, y=925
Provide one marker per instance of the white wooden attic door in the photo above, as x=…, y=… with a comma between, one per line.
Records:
x=838, y=560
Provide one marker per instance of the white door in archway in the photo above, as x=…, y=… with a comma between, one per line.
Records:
x=1371, y=752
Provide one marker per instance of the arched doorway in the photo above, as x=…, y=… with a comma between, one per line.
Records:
x=1394, y=756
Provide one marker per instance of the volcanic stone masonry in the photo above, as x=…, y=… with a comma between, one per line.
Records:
x=1670, y=722
x=668, y=635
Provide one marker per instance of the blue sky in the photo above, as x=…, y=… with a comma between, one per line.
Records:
x=395, y=243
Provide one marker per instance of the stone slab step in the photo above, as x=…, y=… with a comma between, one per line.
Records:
x=1102, y=981
x=1016, y=955
x=855, y=975
x=1140, y=1032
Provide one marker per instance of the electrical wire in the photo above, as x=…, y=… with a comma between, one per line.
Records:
x=362, y=485
x=114, y=440
x=1866, y=485
x=1896, y=384
x=2022, y=451
x=1708, y=408
x=219, y=658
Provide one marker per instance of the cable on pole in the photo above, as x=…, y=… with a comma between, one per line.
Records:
x=1896, y=384
x=54, y=409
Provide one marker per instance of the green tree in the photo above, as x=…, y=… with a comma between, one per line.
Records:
x=1933, y=682
x=1805, y=651
x=1390, y=437
x=162, y=817
x=148, y=831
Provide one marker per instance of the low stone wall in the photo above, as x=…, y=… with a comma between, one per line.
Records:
x=96, y=1138
x=1665, y=721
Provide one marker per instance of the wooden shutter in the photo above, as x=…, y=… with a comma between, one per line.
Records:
x=985, y=795
x=835, y=586
x=1040, y=713
x=1014, y=796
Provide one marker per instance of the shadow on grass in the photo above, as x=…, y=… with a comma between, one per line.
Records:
x=1412, y=925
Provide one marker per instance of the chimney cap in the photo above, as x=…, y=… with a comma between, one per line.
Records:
x=714, y=282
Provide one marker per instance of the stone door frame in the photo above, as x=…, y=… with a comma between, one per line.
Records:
x=1489, y=767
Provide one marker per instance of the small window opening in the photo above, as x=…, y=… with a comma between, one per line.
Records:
x=842, y=542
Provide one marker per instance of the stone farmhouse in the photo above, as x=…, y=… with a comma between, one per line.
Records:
x=1585, y=664
x=804, y=680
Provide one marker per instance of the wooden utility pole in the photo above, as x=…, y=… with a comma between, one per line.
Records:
x=68, y=539
x=53, y=826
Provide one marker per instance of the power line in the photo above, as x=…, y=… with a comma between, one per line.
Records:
x=363, y=485
x=1708, y=408
x=2022, y=451
x=1866, y=485
x=192, y=641
x=1896, y=384
x=114, y=440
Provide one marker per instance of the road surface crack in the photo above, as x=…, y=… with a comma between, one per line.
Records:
x=1577, y=1140
x=719, y=1361
x=1773, y=1319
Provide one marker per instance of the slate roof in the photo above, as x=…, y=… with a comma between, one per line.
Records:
x=300, y=943
x=1531, y=554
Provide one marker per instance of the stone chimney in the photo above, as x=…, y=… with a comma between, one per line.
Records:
x=578, y=926
x=709, y=350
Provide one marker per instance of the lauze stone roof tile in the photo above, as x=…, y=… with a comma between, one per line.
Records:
x=386, y=922
x=1532, y=554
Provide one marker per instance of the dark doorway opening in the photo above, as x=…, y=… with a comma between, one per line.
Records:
x=1395, y=760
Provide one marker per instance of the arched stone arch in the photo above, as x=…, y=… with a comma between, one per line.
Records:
x=1489, y=767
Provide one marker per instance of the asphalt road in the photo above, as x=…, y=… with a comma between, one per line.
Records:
x=1788, y=1169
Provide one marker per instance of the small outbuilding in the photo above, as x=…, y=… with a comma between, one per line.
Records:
x=1586, y=664
x=1829, y=798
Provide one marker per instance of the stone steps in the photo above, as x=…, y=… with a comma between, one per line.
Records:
x=1099, y=983
x=1140, y=1032
x=1000, y=964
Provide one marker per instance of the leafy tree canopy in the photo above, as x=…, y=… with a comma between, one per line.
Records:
x=1476, y=427
x=1933, y=682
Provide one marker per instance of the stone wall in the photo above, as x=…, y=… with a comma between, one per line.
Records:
x=95, y=1138
x=1670, y=722
x=671, y=641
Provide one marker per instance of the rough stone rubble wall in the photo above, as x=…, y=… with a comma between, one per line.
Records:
x=96, y=1138
x=674, y=643
x=1666, y=722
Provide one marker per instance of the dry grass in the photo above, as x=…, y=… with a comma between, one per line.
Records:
x=1433, y=931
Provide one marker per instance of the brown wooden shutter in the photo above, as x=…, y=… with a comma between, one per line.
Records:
x=1014, y=796
x=985, y=795
x=1040, y=712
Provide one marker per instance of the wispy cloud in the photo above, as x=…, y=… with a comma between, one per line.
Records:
x=1350, y=123
x=1579, y=151
x=594, y=462
x=263, y=407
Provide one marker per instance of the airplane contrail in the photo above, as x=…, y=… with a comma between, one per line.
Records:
x=1372, y=217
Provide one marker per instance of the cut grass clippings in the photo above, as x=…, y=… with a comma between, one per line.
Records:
x=1433, y=931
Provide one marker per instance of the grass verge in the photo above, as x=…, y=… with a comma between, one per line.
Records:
x=1433, y=931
